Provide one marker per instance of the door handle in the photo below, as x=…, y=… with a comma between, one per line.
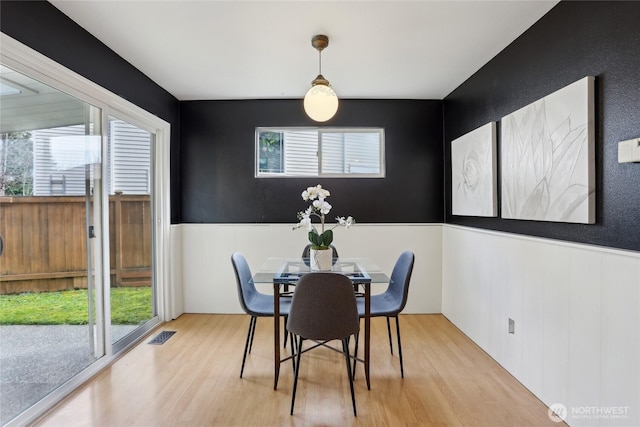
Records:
x=1, y=245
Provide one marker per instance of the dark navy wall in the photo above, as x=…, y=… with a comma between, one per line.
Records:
x=217, y=163
x=573, y=40
x=42, y=27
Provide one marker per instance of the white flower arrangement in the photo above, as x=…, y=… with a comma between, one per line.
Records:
x=319, y=208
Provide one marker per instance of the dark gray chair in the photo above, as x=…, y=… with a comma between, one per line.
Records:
x=254, y=303
x=392, y=301
x=323, y=308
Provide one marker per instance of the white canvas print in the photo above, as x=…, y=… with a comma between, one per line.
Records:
x=548, y=157
x=473, y=173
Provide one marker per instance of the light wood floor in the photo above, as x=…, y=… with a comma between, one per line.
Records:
x=193, y=380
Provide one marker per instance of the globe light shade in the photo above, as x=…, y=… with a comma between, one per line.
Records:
x=321, y=102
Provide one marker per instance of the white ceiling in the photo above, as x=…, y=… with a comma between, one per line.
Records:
x=201, y=50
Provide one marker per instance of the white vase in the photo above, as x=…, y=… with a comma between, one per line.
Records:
x=321, y=259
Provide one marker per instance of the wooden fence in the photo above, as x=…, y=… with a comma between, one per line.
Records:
x=46, y=242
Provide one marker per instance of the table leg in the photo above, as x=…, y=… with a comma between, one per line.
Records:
x=276, y=333
x=367, y=327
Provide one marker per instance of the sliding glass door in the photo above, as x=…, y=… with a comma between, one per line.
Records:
x=80, y=234
x=51, y=268
x=130, y=174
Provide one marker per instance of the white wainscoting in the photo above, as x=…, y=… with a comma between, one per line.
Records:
x=205, y=274
x=176, y=290
x=576, y=311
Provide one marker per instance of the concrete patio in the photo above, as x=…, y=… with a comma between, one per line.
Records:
x=35, y=360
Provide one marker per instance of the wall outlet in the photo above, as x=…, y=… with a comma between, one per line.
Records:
x=512, y=326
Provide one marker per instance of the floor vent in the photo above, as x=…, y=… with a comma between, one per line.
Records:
x=162, y=337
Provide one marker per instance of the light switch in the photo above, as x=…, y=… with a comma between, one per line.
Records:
x=629, y=151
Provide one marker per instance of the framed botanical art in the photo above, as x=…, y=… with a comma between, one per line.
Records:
x=547, y=155
x=473, y=173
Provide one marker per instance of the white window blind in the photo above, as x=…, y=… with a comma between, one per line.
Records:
x=300, y=153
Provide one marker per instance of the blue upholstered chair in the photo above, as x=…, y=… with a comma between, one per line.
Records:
x=392, y=301
x=254, y=303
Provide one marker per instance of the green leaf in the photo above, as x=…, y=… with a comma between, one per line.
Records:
x=320, y=241
x=327, y=238
x=315, y=238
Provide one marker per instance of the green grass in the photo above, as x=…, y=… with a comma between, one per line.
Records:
x=129, y=306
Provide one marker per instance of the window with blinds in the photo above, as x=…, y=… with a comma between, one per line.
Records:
x=327, y=152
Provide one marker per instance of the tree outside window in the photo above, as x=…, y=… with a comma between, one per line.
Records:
x=270, y=152
x=16, y=164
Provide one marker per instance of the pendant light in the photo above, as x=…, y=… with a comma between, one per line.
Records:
x=321, y=101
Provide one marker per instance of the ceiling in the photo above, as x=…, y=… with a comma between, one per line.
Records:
x=31, y=103
x=200, y=50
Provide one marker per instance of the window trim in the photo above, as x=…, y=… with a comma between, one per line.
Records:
x=320, y=130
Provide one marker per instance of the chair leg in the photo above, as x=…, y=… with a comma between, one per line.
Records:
x=389, y=332
x=295, y=378
x=252, y=332
x=355, y=355
x=345, y=349
x=285, y=331
x=252, y=321
x=293, y=352
x=399, y=345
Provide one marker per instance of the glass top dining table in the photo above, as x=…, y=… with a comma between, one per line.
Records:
x=289, y=270
x=283, y=272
